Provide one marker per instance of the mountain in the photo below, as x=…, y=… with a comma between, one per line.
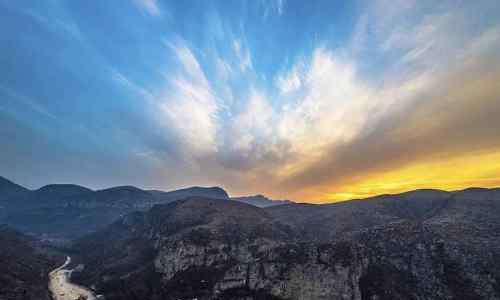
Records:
x=121, y=197
x=179, y=238
x=8, y=190
x=8, y=187
x=424, y=244
x=196, y=191
x=53, y=192
x=23, y=269
x=260, y=201
x=69, y=211
x=325, y=222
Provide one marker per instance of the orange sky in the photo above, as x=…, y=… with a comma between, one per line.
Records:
x=480, y=169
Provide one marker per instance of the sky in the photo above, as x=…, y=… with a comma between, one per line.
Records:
x=314, y=101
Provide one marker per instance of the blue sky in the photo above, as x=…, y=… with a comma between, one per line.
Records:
x=283, y=97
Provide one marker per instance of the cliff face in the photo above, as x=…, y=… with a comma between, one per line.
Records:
x=209, y=249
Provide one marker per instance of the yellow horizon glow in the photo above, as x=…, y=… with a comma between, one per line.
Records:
x=456, y=173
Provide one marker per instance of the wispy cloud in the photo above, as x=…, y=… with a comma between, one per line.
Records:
x=190, y=107
x=27, y=102
x=243, y=55
x=149, y=6
x=129, y=84
x=289, y=82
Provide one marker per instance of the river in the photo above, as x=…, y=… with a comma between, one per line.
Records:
x=63, y=289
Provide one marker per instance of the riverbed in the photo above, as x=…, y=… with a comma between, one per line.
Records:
x=63, y=289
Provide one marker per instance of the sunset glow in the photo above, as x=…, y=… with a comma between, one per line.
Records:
x=305, y=100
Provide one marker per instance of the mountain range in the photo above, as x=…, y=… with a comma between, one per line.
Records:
x=69, y=210
x=198, y=243
x=424, y=244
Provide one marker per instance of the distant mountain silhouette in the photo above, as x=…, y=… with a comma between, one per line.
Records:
x=260, y=201
x=68, y=211
x=210, y=192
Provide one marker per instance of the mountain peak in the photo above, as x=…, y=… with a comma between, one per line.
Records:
x=215, y=190
x=66, y=189
x=130, y=188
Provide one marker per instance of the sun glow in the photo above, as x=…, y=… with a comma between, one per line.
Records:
x=476, y=169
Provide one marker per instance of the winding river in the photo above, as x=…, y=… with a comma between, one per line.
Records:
x=63, y=289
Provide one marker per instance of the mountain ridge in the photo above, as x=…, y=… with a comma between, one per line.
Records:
x=68, y=210
x=260, y=200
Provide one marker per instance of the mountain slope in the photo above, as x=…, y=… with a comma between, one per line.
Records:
x=260, y=201
x=325, y=222
x=8, y=187
x=8, y=190
x=23, y=270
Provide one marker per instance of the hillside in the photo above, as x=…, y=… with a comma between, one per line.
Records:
x=23, y=269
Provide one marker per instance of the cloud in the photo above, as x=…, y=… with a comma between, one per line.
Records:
x=149, y=6
x=28, y=102
x=289, y=82
x=129, y=84
x=442, y=103
x=243, y=55
x=224, y=69
x=280, y=6
x=251, y=126
x=335, y=128
x=328, y=109
x=189, y=107
x=325, y=125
